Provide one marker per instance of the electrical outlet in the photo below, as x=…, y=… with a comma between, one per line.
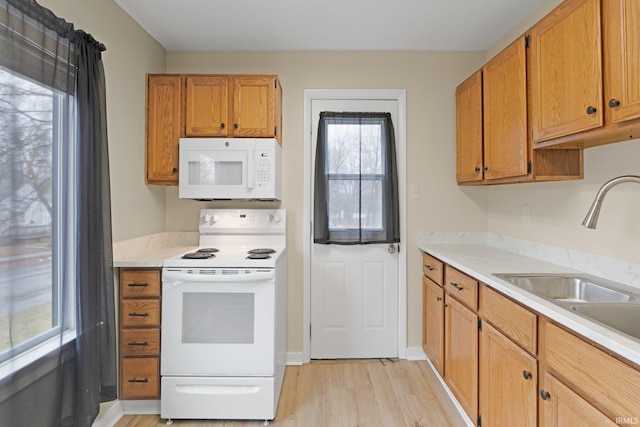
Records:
x=525, y=209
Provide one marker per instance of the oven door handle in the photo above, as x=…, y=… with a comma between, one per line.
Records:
x=256, y=276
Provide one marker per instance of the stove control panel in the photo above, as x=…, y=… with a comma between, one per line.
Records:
x=242, y=221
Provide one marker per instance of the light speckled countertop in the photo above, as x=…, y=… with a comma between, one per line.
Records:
x=152, y=250
x=481, y=255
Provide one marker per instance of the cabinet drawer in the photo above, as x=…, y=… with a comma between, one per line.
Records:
x=140, y=342
x=513, y=320
x=604, y=381
x=140, y=378
x=139, y=283
x=432, y=268
x=461, y=286
x=140, y=312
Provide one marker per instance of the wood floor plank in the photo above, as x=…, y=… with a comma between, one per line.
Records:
x=349, y=393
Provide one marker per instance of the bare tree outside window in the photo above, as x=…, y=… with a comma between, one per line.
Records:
x=354, y=159
x=26, y=200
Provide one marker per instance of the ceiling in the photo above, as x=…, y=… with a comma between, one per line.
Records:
x=241, y=25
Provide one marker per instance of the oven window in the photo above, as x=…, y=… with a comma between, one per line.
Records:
x=209, y=171
x=218, y=318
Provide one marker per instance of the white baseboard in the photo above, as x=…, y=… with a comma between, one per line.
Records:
x=416, y=353
x=108, y=417
x=295, y=359
x=463, y=414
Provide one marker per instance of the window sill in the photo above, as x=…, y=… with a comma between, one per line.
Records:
x=28, y=360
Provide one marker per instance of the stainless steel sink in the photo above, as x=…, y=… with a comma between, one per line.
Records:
x=567, y=288
x=621, y=317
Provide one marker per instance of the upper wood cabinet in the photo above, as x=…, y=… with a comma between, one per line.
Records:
x=164, y=127
x=506, y=151
x=234, y=106
x=469, y=164
x=566, y=71
x=574, y=100
x=621, y=32
x=492, y=137
x=206, y=106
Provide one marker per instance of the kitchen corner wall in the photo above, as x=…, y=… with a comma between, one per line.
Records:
x=556, y=209
x=137, y=209
x=430, y=79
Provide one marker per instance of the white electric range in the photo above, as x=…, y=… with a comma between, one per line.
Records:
x=223, y=329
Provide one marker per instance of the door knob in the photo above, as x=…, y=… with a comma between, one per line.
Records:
x=392, y=248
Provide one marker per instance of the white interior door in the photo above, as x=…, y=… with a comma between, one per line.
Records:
x=354, y=289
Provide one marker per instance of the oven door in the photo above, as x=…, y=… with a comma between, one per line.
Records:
x=218, y=322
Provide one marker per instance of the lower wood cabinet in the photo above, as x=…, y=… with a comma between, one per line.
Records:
x=433, y=323
x=461, y=354
x=139, y=334
x=507, y=365
x=508, y=381
x=560, y=406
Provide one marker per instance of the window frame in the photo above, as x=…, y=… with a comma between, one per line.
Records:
x=63, y=313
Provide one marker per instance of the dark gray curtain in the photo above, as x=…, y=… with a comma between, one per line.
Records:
x=356, y=180
x=65, y=386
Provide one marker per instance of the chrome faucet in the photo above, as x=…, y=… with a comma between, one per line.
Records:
x=591, y=219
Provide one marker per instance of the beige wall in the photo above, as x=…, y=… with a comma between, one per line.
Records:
x=137, y=209
x=430, y=79
x=557, y=209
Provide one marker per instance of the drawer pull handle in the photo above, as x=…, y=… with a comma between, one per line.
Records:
x=526, y=374
x=135, y=380
x=455, y=285
x=544, y=394
x=142, y=344
x=138, y=314
x=138, y=285
x=428, y=267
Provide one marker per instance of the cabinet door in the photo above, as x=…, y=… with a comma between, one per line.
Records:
x=254, y=106
x=461, y=354
x=506, y=151
x=207, y=106
x=621, y=25
x=560, y=407
x=566, y=71
x=469, y=129
x=433, y=323
x=508, y=381
x=164, y=127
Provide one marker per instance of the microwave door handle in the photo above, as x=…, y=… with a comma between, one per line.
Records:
x=251, y=170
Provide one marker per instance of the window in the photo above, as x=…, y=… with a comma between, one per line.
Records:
x=356, y=184
x=34, y=212
x=354, y=171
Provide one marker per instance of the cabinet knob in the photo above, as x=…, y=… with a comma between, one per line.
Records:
x=591, y=109
x=221, y=125
x=174, y=170
x=438, y=298
x=235, y=126
x=613, y=103
x=486, y=168
x=544, y=394
x=477, y=169
x=526, y=374
x=428, y=267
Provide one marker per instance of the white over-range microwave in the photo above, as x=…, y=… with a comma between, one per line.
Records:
x=230, y=169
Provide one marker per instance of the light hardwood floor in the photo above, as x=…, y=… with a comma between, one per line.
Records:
x=348, y=393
